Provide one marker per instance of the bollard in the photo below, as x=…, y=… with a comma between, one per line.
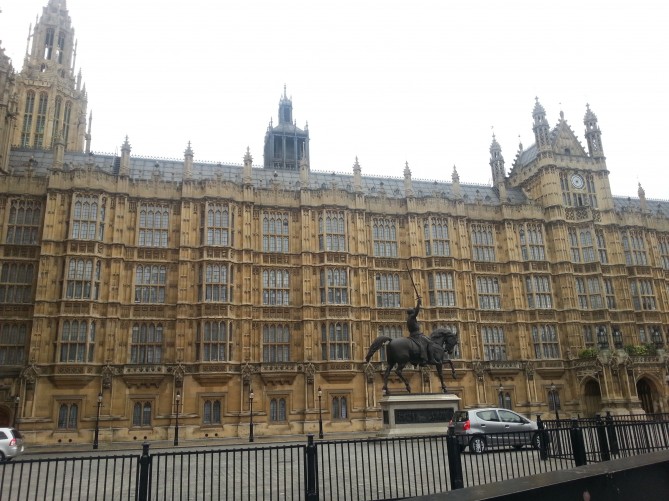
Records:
x=311, y=474
x=454, y=462
x=601, y=438
x=577, y=443
x=611, y=434
x=543, y=439
x=144, y=467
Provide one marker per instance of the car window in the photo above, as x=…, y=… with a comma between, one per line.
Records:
x=461, y=416
x=510, y=417
x=488, y=415
x=16, y=433
x=3, y=435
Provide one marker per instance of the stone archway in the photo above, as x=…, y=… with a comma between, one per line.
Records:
x=645, y=389
x=592, y=398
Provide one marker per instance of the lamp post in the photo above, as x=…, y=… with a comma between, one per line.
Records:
x=500, y=395
x=657, y=338
x=176, y=424
x=553, y=395
x=97, y=423
x=17, y=401
x=320, y=413
x=617, y=339
x=251, y=395
x=602, y=338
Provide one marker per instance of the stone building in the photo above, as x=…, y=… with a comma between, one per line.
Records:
x=167, y=289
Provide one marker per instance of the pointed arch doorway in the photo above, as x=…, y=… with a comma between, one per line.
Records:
x=592, y=398
x=644, y=389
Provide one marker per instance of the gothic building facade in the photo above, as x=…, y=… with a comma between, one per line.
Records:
x=151, y=289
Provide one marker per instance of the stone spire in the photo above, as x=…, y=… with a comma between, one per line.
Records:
x=592, y=134
x=125, y=158
x=497, y=162
x=408, y=184
x=88, y=132
x=357, y=176
x=188, y=163
x=642, y=198
x=304, y=169
x=247, y=174
x=541, y=128
x=456, y=188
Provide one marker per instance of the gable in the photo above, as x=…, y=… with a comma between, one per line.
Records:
x=563, y=139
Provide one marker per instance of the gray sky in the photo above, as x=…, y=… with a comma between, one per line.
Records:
x=387, y=81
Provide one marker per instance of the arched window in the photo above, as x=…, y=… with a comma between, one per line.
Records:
x=339, y=407
x=212, y=412
x=67, y=416
x=277, y=410
x=141, y=414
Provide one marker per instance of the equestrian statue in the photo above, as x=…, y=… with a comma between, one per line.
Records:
x=417, y=349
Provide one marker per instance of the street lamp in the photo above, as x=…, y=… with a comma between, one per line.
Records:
x=97, y=422
x=617, y=339
x=176, y=425
x=500, y=395
x=17, y=400
x=320, y=413
x=657, y=338
x=251, y=395
x=602, y=338
x=555, y=399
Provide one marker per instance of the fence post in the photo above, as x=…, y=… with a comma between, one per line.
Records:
x=601, y=438
x=144, y=467
x=611, y=433
x=312, y=469
x=543, y=439
x=577, y=443
x=454, y=462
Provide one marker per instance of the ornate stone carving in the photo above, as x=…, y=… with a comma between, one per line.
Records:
x=310, y=372
x=369, y=372
x=29, y=376
x=108, y=373
x=529, y=369
x=479, y=370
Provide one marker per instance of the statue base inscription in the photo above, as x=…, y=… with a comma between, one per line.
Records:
x=418, y=414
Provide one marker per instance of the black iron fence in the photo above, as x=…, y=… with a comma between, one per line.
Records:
x=372, y=469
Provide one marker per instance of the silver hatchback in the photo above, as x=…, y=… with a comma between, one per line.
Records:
x=11, y=443
x=480, y=429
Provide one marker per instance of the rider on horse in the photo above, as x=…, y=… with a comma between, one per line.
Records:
x=416, y=335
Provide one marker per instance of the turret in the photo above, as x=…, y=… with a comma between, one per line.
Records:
x=125, y=158
x=541, y=128
x=456, y=188
x=357, y=176
x=285, y=144
x=59, y=152
x=188, y=163
x=408, y=184
x=642, y=198
x=592, y=134
x=304, y=171
x=247, y=174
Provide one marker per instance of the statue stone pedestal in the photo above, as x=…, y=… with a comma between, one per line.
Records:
x=418, y=413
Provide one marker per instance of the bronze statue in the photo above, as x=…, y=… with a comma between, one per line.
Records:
x=415, y=334
x=402, y=351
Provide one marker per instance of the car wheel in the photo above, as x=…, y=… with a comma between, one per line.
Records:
x=477, y=445
x=2, y=458
x=536, y=441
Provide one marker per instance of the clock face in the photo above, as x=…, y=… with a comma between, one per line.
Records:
x=577, y=181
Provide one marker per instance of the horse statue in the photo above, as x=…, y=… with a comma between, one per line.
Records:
x=402, y=351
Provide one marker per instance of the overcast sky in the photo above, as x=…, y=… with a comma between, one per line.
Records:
x=390, y=82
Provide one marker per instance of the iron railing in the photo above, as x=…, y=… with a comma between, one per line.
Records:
x=370, y=469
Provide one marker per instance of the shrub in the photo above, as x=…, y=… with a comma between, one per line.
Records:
x=588, y=353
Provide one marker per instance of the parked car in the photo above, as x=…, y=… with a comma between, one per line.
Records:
x=11, y=443
x=480, y=429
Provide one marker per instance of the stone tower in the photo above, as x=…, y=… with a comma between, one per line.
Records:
x=51, y=100
x=285, y=144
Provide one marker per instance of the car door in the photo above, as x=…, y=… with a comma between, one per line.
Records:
x=490, y=424
x=516, y=425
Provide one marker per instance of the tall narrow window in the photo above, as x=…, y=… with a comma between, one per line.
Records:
x=66, y=121
x=275, y=232
x=16, y=282
x=643, y=297
x=441, y=288
x=634, y=246
x=68, y=416
x=538, y=292
x=153, y=226
x=147, y=343
x=589, y=293
x=532, y=242
x=334, y=286
x=87, y=218
x=610, y=294
x=217, y=284
x=494, y=343
x=216, y=343
x=77, y=341
x=61, y=47
x=150, y=283
x=275, y=343
x=504, y=401
x=40, y=123
x=489, y=294
x=276, y=287
x=141, y=414
x=26, y=131
x=601, y=247
x=387, y=290
x=437, y=242
x=13, y=339
x=82, y=283
x=25, y=217
x=48, y=43
x=384, y=237
x=56, y=118
x=212, y=412
x=545, y=341
x=339, y=407
x=664, y=251
x=588, y=336
x=335, y=341
x=218, y=225
x=277, y=410
x=483, y=242
x=582, y=245
x=332, y=232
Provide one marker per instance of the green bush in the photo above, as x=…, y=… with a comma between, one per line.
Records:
x=640, y=350
x=588, y=353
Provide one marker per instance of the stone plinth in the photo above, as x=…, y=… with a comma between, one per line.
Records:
x=418, y=414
